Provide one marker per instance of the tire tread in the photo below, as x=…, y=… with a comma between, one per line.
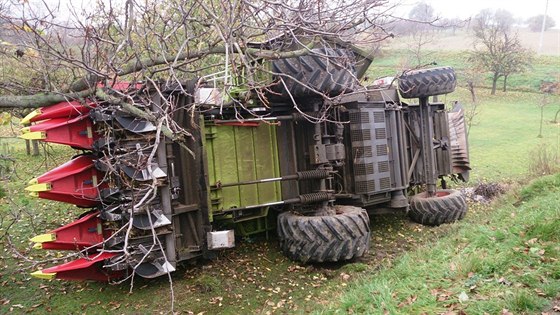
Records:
x=438, y=210
x=324, y=238
x=427, y=82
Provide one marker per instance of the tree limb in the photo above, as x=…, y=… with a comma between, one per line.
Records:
x=86, y=85
x=39, y=100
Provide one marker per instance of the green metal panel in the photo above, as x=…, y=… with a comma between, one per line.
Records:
x=237, y=154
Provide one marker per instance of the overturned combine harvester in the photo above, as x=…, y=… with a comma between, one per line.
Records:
x=304, y=164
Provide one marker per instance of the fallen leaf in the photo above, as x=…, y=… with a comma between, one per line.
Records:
x=409, y=300
x=505, y=311
x=540, y=292
x=531, y=242
x=442, y=297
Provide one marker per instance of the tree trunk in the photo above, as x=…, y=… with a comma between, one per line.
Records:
x=35, y=144
x=494, y=83
x=86, y=86
x=471, y=89
x=28, y=147
x=505, y=83
x=39, y=100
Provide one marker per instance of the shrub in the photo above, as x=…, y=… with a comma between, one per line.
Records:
x=544, y=160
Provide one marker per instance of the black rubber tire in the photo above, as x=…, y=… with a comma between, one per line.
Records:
x=326, y=70
x=427, y=82
x=447, y=206
x=337, y=237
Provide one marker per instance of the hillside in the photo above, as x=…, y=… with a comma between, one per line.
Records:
x=463, y=40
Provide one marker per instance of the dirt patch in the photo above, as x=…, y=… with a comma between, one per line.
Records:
x=484, y=192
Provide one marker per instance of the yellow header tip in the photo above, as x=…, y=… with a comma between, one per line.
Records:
x=38, y=187
x=48, y=237
x=43, y=275
x=27, y=119
x=35, y=135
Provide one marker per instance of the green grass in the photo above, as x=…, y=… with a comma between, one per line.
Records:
x=507, y=258
x=503, y=137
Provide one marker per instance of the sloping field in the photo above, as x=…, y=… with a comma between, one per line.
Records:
x=463, y=40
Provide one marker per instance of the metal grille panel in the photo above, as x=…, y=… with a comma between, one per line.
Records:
x=362, y=152
x=385, y=183
x=363, y=169
x=381, y=150
x=360, y=135
x=364, y=186
x=368, y=134
x=359, y=117
x=383, y=166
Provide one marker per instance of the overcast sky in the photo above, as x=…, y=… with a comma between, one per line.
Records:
x=469, y=8
x=444, y=8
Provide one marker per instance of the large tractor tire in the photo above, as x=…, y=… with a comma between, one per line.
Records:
x=337, y=237
x=427, y=82
x=325, y=71
x=446, y=206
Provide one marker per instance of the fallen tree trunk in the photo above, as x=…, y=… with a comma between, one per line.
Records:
x=86, y=86
x=40, y=100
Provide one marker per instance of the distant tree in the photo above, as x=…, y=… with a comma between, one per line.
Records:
x=422, y=12
x=497, y=46
x=518, y=61
x=544, y=102
x=535, y=23
x=451, y=24
x=422, y=20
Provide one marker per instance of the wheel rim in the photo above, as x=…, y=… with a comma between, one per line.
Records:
x=442, y=194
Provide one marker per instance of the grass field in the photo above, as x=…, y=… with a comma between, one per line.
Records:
x=503, y=140
x=494, y=242
x=463, y=40
x=501, y=258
